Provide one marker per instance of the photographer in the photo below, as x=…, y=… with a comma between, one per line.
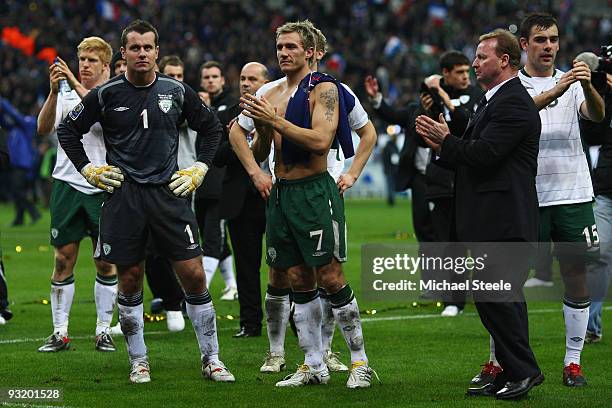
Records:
x=452, y=95
x=600, y=134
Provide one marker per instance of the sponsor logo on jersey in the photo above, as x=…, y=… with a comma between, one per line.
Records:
x=192, y=246
x=272, y=253
x=221, y=108
x=106, y=248
x=121, y=108
x=74, y=113
x=319, y=253
x=54, y=232
x=164, y=102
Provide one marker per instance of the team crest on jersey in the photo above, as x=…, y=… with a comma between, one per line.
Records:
x=74, y=113
x=272, y=253
x=54, y=232
x=164, y=102
x=106, y=248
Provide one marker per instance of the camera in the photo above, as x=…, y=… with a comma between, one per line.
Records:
x=598, y=77
x=437, y=106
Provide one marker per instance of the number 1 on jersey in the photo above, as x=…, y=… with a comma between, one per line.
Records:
x=145, y=119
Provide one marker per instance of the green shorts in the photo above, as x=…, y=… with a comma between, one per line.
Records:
x=572, y=228
x=74, y=215
x=305, y=222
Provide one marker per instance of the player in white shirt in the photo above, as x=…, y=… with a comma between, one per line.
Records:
x=563, y=182
x=75, y=204
x=277, y=295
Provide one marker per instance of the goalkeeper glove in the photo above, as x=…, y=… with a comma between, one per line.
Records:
x=103, y=177
x=185, y=181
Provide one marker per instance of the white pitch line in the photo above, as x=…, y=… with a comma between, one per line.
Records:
x=431, y=316
x=364, y=320
x=12, y=404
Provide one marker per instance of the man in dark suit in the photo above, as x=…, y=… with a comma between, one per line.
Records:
x=495, y=201
x=244, y=208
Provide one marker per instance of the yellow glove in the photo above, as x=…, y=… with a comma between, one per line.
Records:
x=185, y=181
x=103, y=177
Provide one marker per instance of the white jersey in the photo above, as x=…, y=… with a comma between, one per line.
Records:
x=93, y=143
x=357, y=119
x=563, y=173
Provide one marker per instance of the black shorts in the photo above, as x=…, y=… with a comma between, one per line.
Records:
x=133, y=212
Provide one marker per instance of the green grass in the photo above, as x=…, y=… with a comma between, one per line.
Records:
x=422, y=360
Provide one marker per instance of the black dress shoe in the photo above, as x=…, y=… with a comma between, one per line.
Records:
x=244, y=332
x=487, y=390
x=520, y=388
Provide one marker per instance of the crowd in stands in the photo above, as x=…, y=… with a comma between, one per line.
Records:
x=398, y=41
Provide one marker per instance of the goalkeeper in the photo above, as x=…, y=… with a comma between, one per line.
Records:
x=140, y=113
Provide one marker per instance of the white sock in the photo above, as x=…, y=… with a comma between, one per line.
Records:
x=204, y=320
x=132, y=325
x=105, y=295
x=227, y=271
x=277, y=316
x=346, y=313
x=62, y=294
x=492, y=357
x=307, y=319
x=576, y=320
x=210, y=266
x=328, y=323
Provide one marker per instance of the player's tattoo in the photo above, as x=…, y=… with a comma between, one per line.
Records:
x=329, y=98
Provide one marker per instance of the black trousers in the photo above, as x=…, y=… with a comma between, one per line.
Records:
x=507, y=321
x=19, y=184
x=421, y=215
x=3, y=289
x=441, y=218
x=163, y=282
x=246, y=233
x=212, y=228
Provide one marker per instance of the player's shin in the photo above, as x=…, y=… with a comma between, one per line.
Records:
x=132, y=325
x=204, y=320
x=105, y=295
x=328, y=323
x=346, y=313
x=62, y=294
x=307, y=319
x=576, y=315
x=277, y=316
x=210, y=265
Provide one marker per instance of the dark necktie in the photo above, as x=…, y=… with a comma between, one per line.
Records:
x=482, y=102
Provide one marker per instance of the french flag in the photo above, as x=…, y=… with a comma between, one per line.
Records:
x=108, y=10
x=438, y=14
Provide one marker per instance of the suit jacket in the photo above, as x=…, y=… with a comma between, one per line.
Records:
x=496, y=165
x=238, y=190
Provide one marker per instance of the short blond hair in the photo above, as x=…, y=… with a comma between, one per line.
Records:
x=506, y=44
x=98, y=46
x=304, y=29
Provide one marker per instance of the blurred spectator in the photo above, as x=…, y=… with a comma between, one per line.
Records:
x=23, y=157
x=390, y=159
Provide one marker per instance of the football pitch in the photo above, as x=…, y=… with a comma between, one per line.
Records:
x=421, y=358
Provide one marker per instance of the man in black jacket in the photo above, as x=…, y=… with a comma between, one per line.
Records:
x=211, y=224
x=495, y=166
x=432, y=192
x=244, y=209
